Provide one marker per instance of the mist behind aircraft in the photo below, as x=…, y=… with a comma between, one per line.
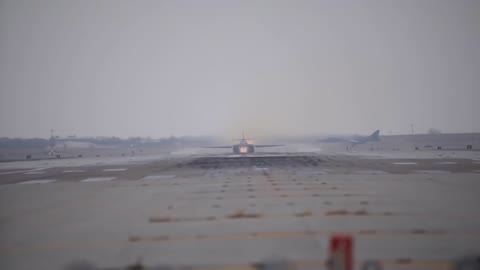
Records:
x=161, y=68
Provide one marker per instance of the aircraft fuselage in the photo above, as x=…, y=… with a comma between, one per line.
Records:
x=243, y=148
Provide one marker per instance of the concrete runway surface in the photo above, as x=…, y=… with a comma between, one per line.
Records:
x=219, y=211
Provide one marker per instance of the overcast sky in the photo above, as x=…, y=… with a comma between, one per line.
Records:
x=163, y=68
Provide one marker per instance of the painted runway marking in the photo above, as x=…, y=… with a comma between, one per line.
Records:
x=311, y=173
x=374, y=172
x=446, y=163
x=34, y=172
x=159, y=177
x=12, y=172
x=404, y=163
x=29, y=171
x=73, y=171
x=431, y=171
x=137, y=239
x=115, y=170
x=97, y=179
x=39, y=181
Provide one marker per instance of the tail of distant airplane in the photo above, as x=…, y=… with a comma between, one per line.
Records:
x=375, y=134
x=243, y=138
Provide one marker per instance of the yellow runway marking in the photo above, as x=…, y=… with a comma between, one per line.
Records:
x=321, y=264
x=135, y=240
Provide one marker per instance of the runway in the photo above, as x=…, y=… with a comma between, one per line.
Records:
x=240, y=212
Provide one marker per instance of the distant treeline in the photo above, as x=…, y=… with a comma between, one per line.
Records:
x=18, y=143
x=15, y=143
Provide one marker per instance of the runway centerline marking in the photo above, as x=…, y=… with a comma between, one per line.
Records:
x=404, y=163
x=159, y=176
x=12, y=172
x=446, y=163
x=97, y=179
x=74, y=171
x=38, y=181
x=431, y=171
x=115, y=170
x=370, y=172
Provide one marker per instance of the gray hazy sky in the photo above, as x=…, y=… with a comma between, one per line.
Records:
x=219, y=67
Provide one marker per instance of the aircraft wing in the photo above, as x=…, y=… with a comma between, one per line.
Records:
x=230, y=146
x=268, y=145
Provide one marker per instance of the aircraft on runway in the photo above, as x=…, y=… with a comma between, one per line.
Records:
x=244, y=146
x=355, y=139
